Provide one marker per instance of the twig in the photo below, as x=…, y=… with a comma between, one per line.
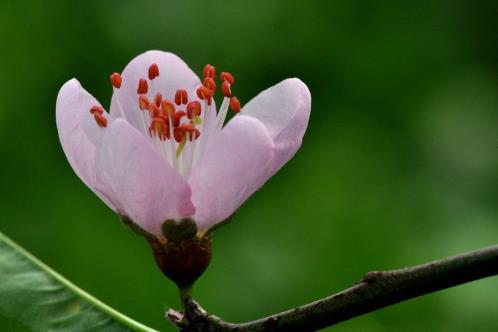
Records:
x=376, y=290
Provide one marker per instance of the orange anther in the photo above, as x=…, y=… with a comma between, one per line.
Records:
x=168, y=107
x=153, y=71
x=182, y=129
x=209, y=71
x=143, y=87
x=143, y=102
x=225, y=76
x=193, y=109
x=159, y=128
x=101, y=120
x=96, y=110
x=116, y=80
x=157, y=99
x=205, y=94
x=209, y=83
x=154, y=110
x=225, y=88
x=181, y=97
x=235, y=104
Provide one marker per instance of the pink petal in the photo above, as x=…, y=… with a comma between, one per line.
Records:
x=173, y=74
x=148, y=189
x=234, y=167
x=284, y=109
x=79, y=133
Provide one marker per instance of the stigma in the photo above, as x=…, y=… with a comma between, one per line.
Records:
x=177, y=128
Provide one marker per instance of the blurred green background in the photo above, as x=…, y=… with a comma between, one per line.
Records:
x=399, y=164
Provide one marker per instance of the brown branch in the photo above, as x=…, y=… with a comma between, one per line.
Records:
x=374, y=291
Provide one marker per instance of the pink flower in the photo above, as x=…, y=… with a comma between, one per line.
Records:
x=163, y=152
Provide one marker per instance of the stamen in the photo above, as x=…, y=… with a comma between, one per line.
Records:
x=225, y=88
x=205, y=94
x=153, y=71
x=209, y=83
x=178, y=117
x=225, y=76
x=101, y=120
x=143, y=102
x=96, y=110
x=159, y=128
x=116, y=80
x=209, y=71
x=157, y=99
x=181, y=97
x=193, y=109
x=143, y=87
x=168, y=107
x=235, y=104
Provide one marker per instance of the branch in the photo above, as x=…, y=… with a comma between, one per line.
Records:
x=376, y=290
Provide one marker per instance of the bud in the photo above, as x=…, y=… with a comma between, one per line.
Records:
x=184, y=256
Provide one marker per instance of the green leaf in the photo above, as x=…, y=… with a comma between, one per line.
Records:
x=40, y=298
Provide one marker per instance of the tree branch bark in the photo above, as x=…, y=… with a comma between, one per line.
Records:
x=376, y=290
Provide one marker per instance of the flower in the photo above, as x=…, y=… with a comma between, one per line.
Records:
x=164, y=153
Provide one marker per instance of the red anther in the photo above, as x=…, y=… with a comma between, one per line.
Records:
x=116, y=80
x=143, y=102
x=143, y=87
x=101, y=120
x=193, y=109
x=225, y=88
x=153, y=71
x=182, y=129
x=205, y=94
x=158, y=99
x=168, y=107
x=225, y=76
x=209, y=71
x=177, y=118
x=197, y=133
x=159, y=127
x=235, y=104
x=96, y=110
x=181, y=97
x=209, y=83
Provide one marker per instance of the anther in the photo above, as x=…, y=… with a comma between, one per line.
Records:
x=181, y=97
x=101, y=120
x=168, y=107
x=205, y=94
x=235, y=104
x=154, y=110
x=209, y=71
x=225, y=76
x=116, y=80
x=178, y=117
x=96, y=110
x=143, y=87
x=159, y=128
x=209, y=83
x=225, y=88
x=158, y=99
x=153, y=71
x=193, y=109
x=143, y=102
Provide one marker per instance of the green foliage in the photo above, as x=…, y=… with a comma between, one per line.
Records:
x=38, y=297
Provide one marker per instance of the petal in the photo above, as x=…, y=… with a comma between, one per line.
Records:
x=79, y=133
x=173, y=74
x=234, y=167
x=284, y=109
x=148, y=189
